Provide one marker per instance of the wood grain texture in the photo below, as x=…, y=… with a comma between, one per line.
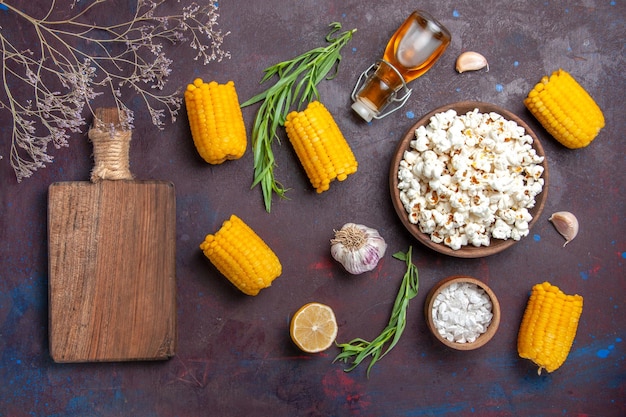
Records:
x=112, y=284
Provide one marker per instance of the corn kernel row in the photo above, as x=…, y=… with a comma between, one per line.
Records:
x=216, y=121
x=242, y=256
x=565, y=110
x=549, y=326
x=320, y=146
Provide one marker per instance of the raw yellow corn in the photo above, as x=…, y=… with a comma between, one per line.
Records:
x=549, y=326
x=242, y=256
x=565, y=110
x=216, y=121
x=321, y=147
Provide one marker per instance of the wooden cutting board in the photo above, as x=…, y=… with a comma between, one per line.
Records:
x=112, y=284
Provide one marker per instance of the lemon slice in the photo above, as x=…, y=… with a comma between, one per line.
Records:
x=314, y=327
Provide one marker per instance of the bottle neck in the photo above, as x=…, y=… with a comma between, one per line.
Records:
x=380, y=89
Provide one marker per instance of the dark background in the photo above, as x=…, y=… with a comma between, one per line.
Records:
x=234, y=355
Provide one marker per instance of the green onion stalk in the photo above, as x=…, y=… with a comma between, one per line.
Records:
x=357, y=350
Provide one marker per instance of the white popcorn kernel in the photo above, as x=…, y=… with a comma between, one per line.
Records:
x=417, y=204
x=489, y=143
x=456, y=241
x=441, y=143
x=523, y=215
x=501, y=184
x=405, y=174
x=410, y=157
x=404, y=185
x=508, y=216
x=436, y=237
x=460, y=201
x=418, y=168
x=404, y=199
x=432, y=198
x=514, y=158
x=457, y=141
x=501, y=201
x=421, y=142
x=439, y=218
x=460, y=165
x=426, y=222
x=412, y=193
x=535, y=171
x=501, y=230
x=535, y=188
x=517, y=234
x=481, y=211
x=479, y=240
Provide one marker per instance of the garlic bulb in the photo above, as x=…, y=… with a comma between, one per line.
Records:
x=358, y=248
x=471, y=61
x=566, y=224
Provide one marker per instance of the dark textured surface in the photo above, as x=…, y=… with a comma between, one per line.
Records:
x=234, y=355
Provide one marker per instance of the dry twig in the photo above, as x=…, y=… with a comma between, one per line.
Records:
x=70, y=61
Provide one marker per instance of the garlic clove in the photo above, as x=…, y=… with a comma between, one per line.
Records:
x=566, y=224
x=471, y=61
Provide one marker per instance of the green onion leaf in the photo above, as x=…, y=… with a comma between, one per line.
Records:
x=359, y=349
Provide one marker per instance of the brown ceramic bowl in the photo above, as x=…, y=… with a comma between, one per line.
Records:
x=484, y=337
x=467, y=251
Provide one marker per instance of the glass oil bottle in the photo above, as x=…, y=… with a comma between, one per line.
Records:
x=412, y=50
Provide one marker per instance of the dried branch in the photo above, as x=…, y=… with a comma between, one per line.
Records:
x=71, y=61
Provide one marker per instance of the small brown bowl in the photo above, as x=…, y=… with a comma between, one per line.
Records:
x=467, y=251
x=484, y=337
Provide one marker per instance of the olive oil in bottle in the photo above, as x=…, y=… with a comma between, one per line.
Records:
x=412, y=50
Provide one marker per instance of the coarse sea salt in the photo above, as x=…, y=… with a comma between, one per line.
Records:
x=462, y=312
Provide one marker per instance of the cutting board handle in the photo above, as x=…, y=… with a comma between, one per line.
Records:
x=111, y=144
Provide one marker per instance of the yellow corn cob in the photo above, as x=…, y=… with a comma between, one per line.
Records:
x=321, y=147
x=565, y=110
x=549, y=326
x=216, y=121
x=242, y=256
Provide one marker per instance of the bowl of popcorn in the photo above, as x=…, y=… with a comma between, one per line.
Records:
x=462, y=312
x=469, y=179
